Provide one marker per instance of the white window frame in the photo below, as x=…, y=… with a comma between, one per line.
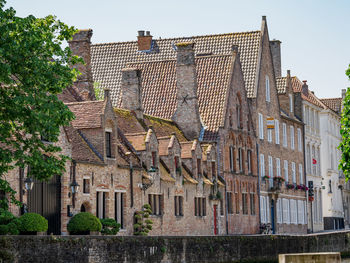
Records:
x=270, y=166
x=294, y=177
x=261, y=126
x=286, y=212
x=292, y=137
x=263, y=209
x=267, y=88
x=299, y=140
x=269, y=135
x=301, y=175
x=268, y=218
x=284, y=130
x=285, y=169
x=278, y=167
x=279, y=211
x=293, y=212
x=262, y=165
x=277, y=131
x=300, y=212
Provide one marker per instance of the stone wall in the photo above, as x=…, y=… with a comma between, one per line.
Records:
x=166, y=249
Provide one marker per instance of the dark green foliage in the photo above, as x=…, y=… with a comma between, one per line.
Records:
x=109, y=226
x=344, y=146
x=32, y=222
x=84, y=222
x=34, y=68
x=4, y=229
x=9, y=224
x=143, y=224
x=5, y=216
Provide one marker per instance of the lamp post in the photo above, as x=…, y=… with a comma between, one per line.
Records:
x=28, y=184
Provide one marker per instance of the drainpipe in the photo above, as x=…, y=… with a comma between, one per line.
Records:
x=307, y=183
x=131, y=180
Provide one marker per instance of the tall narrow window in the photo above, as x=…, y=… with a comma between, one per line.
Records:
x=199, y=168
x=213, y=169
x=277, y=131
x=240, y=159
x=178, y=205
x=119, y=199
x=269, y=135
x=299, y=141
x=270, y=166
x=284, y=130
x=292, y=137
x=291, y=106
x=249, y=159
x=200, y=206
x=294, y=177
x=262, y=165
x=245, y=203
x=267, y=87
x=239, y=117
x=252, y=203
x=237, y=203
x=301, y=175
x=232, y=159
x=108, y=145
x=261, y=126
x=101, y=204
x=278, y=167
x=154, y=159
x=285, y=168
x=308, y=159
x=156, y=203
x=230, y=202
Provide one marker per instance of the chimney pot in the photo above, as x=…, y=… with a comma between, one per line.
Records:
x=141, y=33
x=304, y=81
x=288, y=72
x=107, y=93
x=264, y=18
x=148, y=33
x=235, y=48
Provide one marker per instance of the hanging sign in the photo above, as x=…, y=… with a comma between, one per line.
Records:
x=270, y=123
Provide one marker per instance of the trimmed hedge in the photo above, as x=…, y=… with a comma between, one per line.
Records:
x=84, y=222
x=32, y=222
x=109, y=226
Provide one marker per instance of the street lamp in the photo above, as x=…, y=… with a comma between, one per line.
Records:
x=75, y=187
x=28, y=183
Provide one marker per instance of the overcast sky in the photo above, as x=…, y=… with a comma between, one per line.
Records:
x=314, y=33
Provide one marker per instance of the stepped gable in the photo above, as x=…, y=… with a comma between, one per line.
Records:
x=107, y=60
x=158, y=80
x=333, y=103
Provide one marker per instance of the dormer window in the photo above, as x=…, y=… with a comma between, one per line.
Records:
x=108, y=144
x=267, y=87
x=177, y=163
x=154, y=159
x=199, y=169
x=291, y=106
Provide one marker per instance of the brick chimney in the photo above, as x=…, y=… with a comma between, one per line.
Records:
x=144, y=42
x=275, y=47
x=305, y=88
x=132, y=91
x=80, y=46
x=187, y=115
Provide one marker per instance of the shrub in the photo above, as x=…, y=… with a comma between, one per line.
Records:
x=143, y=224
x=84, y=222
x=109, y=226
x=5, y=216
x=14, y=226
x=4, y=229
x=32, y=222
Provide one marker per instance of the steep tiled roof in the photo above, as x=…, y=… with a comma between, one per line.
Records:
x=281, y=84
x=163, y=145
x=107, y=60
x=213, y=76
x=137, y=140
x=127, y=121
x=333, y=103
x=87, y=114
x=186, y=150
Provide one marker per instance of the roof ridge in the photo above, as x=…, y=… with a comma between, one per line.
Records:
x=135, y=133
x=82, y=102
x=178, y=38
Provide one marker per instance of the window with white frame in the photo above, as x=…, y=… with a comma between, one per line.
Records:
x=285, y=169
x=284, y=134
x=292, y=137
x=263, y=209
x=267, y=87
x=291, y=106
x=285, y=207
x=119, y=204
x=300, y=212
x=278, y=167
x=301, y=175
x=279, y=211
x=232, y=159
x=300, y=146
x=270, y=166
x=269, y=135
x=306, y=115
x=305, y=213
x=268, y=219
x=261, y=126
x=294, y=177
x=308, y=159
x=277, y=131
x=262, y=165
x=293, y=212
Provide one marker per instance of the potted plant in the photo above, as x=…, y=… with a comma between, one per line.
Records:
x=109, y=226
x=290, y=186
x=266, y=177
x=33, y=224
x=84, y=223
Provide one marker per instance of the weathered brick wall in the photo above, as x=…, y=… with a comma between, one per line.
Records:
x=166, y=249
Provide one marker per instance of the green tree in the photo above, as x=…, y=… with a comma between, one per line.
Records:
x=34, y=68
x=344, y=146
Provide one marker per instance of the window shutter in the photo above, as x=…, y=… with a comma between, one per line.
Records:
x=279, y=218
x=292, y=137
x=284, y=126
x=262, y=203
x=293, y=173
x=261, y=126
x=299, y=140
x=286, y=171
x=278, y=167
x=268, y=210
x=301, y=174
x=288, y=211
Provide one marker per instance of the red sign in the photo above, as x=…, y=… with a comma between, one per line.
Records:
x=311, y=198
x=314, y=161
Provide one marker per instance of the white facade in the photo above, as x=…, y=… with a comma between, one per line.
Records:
x=311, y=118
x=333, y=211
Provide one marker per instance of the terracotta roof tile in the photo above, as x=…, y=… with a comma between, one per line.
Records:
x=159, y=89
x=87, y=114
x=186, y=150
x=108, y=59
x=333, y=103
x=127, y=121
x=163, y=145
x=137, y=140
